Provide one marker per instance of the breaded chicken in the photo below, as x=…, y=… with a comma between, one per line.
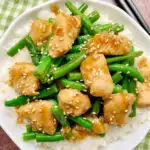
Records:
x=23, y=80
x=73, y=102
x=40, y=31
x=65, y=30
x=109, y=44
x=98, y=124
x=117, y=107
x=39, y=115
x=96, y=75
x=143, y=89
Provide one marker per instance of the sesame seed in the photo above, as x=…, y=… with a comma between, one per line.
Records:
x=84, y=90
x=70, y=34
x=61, y=39
x=77, y=107
x=56, y=45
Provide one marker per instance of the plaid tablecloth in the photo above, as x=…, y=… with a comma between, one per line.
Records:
x=10, y=9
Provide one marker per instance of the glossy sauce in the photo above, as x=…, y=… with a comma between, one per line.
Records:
x=80, y=133
x=55, y=9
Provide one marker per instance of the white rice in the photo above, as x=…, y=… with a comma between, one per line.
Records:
x=89, y=143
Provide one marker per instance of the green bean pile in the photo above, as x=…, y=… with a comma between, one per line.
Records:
x=65, y=69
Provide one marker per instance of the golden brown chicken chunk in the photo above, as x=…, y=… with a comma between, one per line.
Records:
x=23, y=80
x=73, y=102
x=80, y=133
x=65, y=30
x=143, y=89
x=39, y=115
x=40, y=30
x=98, y=124
x=109, y=44
x=117, y=108
x=95, y=74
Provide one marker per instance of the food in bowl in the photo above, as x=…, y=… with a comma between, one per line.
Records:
x=82, y=78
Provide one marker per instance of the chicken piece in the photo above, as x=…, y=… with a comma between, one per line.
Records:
x=117, y=107
x=95, y=74
x=39, y=115
x=109, y=44
x=23, y=80
x=98, y=124
x=144, y=68
x=80, y=133
x=66, y=132
x=143, y=89
x=40, y=31
x=73, y=102
x=65, y=30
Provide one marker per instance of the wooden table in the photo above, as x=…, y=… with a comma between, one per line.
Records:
x=5, y=142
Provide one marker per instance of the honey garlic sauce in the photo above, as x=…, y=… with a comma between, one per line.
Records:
x=55, y=9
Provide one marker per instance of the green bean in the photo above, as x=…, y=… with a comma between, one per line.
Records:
x=133, y=113
x=42, y=47
x=28, y=128
x=78, y=48
x=71, y=56
x=117, y=77
x=100, y=28
x=125, y=83
x=44, y=51
x=102, y=135
x=96, y=107
x=93, y=16
x=53, y=100
x=124, y=57
x=15, y=48
x=84, y=31
x=40, y=137
x=74, y=85
x=32, y=50
x=51, y=90
x=131, y=60
x=29, y=136
x=57, y=112
x=132, y=86
x=74, y=76
x=42, y=71
x=130, y=71
x=125, y=62
x=85, y=20
x=57, y=62
x=51, y=20
x=72, y=8
x=132, y=89
x=117, y=88
x=68, y=67
x=116, y=28
x=83, y=38
x=82, y=121
x=83, y=8
x=21, y=100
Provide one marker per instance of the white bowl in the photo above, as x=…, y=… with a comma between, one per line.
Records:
x=8, y=115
